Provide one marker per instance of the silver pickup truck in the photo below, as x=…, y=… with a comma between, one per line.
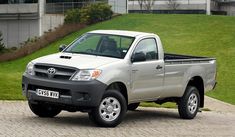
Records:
x=107, y=72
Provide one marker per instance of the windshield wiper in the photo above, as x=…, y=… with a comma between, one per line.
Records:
x=109, y=56
x=87, y=53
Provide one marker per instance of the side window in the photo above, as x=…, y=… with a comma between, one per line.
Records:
x=148, y=48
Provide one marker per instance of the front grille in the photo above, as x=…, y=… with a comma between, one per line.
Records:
x=61, y=72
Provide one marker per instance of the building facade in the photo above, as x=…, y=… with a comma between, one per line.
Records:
x=22, y=20
x=18, y=22
x=223, y=7
x=119, y=6
x=228, y=6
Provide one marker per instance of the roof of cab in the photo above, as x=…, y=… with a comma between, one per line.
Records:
x=121, y=32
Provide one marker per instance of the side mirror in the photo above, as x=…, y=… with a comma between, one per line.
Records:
x=62, y=47
x=137, y=57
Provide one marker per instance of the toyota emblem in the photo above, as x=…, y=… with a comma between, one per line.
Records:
x=51, y=72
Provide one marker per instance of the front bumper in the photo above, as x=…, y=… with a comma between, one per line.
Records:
x=74, y=93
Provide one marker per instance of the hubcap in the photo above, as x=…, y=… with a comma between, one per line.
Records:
x=192, y=103
x=109, y=109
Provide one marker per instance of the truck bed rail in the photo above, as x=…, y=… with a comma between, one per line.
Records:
x=185, y=59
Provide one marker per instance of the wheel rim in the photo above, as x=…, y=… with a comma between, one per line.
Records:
x=192, y=103
x=109, y=109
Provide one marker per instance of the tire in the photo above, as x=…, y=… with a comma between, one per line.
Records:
x=110, y=111
x=189, y=104
x=133, y=106
x=44, y=110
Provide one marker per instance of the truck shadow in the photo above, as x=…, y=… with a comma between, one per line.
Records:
x=141, y=115
x=82, y=119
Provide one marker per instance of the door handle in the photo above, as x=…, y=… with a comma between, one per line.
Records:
x=134, y=70
x=159, y=67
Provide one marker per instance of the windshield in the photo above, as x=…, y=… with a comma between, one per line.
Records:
x=101, y=45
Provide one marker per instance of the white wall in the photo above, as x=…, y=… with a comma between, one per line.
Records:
x=163, y=5
x=18, y=31
x=51, y=21
x=18, y=22
x=18, y=8
x=119, y=6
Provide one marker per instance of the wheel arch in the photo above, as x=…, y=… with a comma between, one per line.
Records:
x=197, y=82
x=121, y=87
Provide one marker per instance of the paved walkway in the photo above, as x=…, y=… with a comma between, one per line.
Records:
x=17, y=120
x=219, y=106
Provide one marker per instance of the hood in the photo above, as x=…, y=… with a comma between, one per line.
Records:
x=80, y=61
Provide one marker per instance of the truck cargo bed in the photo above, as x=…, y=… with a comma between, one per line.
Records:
x=176, y=58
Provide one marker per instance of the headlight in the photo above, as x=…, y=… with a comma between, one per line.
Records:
x=86, y=75
x=29, y=68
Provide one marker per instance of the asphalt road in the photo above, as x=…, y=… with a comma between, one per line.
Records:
x=17, y=120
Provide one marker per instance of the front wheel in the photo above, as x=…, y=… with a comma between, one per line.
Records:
x=111, y=109
x=44, y=110
x=189, y=104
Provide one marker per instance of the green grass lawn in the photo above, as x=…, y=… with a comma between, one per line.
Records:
x=200, y=35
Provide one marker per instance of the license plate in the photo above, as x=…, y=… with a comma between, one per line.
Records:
x=47, y=93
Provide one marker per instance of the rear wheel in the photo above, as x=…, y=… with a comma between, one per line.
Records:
x=44, y=110
x=111, y=109
x=189, y=104
x=133, y=106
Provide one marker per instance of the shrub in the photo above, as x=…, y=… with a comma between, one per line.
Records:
x=72, y=16
x=94, y=13
x=2, y=47
x=89, y=14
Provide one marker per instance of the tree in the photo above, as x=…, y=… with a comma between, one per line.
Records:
x=148, y=4
x=2, y=47
x=141, y=2
x=173, y=4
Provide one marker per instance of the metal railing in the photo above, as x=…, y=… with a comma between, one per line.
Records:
x=225, y=1
x=62, y=7
x=18, y=1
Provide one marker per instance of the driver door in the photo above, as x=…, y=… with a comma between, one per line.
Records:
x=147, y=74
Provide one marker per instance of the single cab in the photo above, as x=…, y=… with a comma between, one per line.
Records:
x=107, y=72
